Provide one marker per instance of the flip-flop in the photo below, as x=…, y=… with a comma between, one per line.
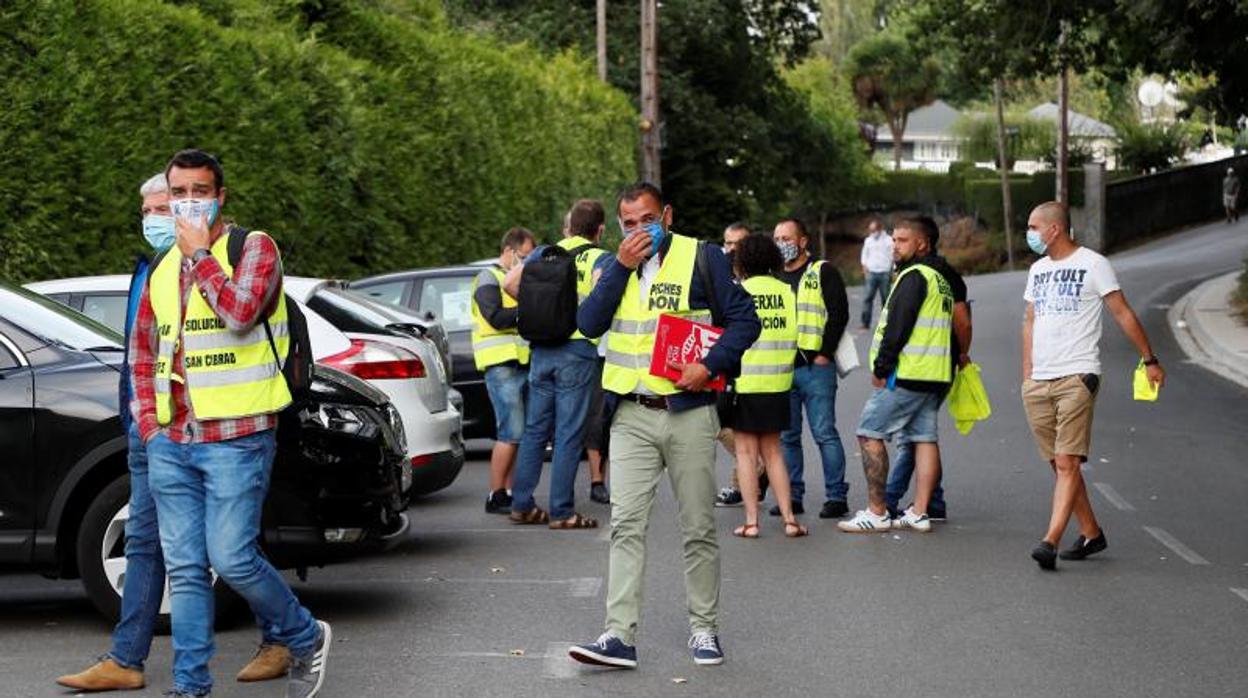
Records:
x=576, y=521
x=744, y=531
x=533, y=516
x=801, y=530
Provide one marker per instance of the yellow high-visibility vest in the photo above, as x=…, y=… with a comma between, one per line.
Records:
x=812, y=313
x=925, y=357
x=492, y=346
x=229, y=374
x=767, y=366
x=631, y=341
x=585, y=260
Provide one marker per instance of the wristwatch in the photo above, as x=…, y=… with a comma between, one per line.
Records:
x=199, y=254
x=1152, y=360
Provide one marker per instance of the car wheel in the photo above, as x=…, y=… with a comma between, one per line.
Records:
x=102, y=557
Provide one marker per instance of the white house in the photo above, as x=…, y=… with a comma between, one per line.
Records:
x=928, y=143
x=1097, y=135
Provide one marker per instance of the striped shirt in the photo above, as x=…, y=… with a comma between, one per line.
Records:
x=241, y=302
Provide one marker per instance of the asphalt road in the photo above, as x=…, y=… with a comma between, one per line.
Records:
x=473, y=606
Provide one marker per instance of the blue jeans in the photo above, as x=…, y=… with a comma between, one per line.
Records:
x=506, y=384
x=209, y=498
x=899, y=481
x=560, y=379
x=145, y=566
x=815, y=387
x=876, y=284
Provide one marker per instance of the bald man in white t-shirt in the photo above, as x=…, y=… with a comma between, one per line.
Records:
x=1066, y=291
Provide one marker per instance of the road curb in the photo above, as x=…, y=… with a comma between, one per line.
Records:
x=1206, y=349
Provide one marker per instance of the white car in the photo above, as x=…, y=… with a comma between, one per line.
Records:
x=349, y=332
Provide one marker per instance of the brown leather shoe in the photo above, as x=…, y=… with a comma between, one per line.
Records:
x=271, y=662
x=105, y=675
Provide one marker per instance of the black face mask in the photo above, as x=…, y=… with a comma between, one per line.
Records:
x=732, y=259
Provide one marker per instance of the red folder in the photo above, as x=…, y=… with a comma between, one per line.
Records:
x=685, y=342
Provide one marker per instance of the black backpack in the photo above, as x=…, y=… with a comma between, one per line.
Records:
x=297, y=370
x=546, y=312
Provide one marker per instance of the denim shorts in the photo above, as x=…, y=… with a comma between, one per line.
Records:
x=506, y=384
x=900, y=414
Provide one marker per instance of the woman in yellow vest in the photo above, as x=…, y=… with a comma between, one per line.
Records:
x=760, y=405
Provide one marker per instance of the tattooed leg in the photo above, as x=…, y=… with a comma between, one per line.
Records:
x=875, y=466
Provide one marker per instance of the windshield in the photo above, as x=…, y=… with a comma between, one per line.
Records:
x=353, y=312
x=55, y=323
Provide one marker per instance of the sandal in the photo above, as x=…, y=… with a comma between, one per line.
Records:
x=749, y=530
x=533, y=516
x=576, y=521
x=793, y=529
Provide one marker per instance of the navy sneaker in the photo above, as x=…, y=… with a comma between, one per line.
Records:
x=607, y=650
x=705, y=649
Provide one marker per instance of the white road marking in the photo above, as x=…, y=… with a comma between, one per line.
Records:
x=1241, y=593
x=585, y=587
x=557, y=663
x=1108, y=492
x=1176, y=546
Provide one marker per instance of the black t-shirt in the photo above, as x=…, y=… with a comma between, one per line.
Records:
x=834, y=299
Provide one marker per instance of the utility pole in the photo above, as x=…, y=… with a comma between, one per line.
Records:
x=1063, y=108
x=650, y=170
x=602, y=40
x=1007, y=204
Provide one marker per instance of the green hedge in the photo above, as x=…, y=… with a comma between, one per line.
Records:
x=378, y=140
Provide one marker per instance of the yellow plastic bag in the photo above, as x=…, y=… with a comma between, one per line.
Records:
x=968, y=401
x=1145, y=391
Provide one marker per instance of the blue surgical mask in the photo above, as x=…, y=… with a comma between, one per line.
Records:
x=656, y=236
x=1035, y=242
x=159, y=231
x=195, y=209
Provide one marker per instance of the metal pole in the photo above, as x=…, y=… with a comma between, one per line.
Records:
x=602, y=40
x=1007, y=204
x=1063, y=107
x=650, y=169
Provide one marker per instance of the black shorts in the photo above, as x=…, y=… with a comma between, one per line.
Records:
x=759, y=412
x=595, y=426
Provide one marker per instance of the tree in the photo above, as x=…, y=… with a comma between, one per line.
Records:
x=738, y=143
x=890, y=76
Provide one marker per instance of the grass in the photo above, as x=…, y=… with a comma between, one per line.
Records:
x=1239, y=297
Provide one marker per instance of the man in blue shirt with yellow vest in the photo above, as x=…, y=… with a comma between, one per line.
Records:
x=911, y=369
x=661, y=424
x=559, y=387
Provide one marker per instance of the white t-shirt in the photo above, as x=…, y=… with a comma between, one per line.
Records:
x=1067, y=297
x=877, y=253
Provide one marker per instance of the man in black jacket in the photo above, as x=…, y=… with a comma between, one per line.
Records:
x=911, y=370
x=823, y=313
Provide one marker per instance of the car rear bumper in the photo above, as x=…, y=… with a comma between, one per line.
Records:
x=436, y=471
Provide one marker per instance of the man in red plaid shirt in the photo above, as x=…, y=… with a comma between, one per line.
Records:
x=207, y=388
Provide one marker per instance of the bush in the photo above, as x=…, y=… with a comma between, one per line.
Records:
x=1146, y=148
x=363, y=138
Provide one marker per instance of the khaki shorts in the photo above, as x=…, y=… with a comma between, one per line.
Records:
x=1060, y=414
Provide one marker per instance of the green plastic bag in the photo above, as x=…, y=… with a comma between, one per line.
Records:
x=968, y=401
x=1144, y=390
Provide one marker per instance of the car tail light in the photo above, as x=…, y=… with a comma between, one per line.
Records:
x=371, y=360
x=418, y=461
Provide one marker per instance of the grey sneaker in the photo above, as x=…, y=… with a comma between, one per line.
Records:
x=307, y=673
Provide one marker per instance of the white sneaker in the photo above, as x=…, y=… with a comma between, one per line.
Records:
x=865, y=521
x=910, y=519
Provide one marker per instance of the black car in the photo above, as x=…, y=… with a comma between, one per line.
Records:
x=64, y=484
x=444, y=294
